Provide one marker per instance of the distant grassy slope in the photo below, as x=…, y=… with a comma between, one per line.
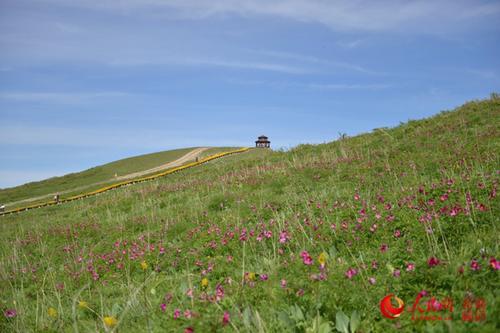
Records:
x=373, y=209
x=97, y=174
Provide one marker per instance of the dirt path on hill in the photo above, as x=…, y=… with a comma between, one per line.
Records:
x=192, y=155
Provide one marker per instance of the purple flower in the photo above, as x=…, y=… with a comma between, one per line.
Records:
x=163, y=307
x=396, y=273
x=306, y=258
x=263, y=277
x=351, y=272
x=10, y=313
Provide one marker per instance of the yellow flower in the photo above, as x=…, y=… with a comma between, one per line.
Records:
x=52, y=312
x=323, y=257
x=83, y=304
x=144, y=265
x=251, y=276
x=110, y=321
x=204, y=282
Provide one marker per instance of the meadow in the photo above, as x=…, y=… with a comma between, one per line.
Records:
x=306, y=240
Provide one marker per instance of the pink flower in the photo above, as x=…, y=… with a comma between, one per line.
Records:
x=188, y=314
x=372, y=280
x=351, y=272
x=189, y=330
x=10, y=313
x=226, y=318
x=396, y=273
x=433, y=261
x=284, y=237
x=495, y=264
x=374, y=264
x=397, y=233
x=219, y=292
x=306, y=258
x=383, y=247
x=163, y=307
x=189, y=293
x=434, y=304
x=410, y=267
x=300, y=292
x=283, y=283
x=423, y=293
x=177, y=313
x=263, y=277
x=474, y=265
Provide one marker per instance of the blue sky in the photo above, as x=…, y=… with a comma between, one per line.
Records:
x=85, y=82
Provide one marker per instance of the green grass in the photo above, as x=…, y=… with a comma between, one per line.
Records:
x=100, y=174
x=375, y=204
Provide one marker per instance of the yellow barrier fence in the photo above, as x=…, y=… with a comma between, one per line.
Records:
x=129, y=182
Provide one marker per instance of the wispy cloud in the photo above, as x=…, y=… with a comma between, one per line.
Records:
x=59, y=97
x=210, y=62
x=312, y=85
x=384, y=15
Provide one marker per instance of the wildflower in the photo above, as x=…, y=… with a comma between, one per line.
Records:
x=189, y=330
x=374, y=264
x=219, y=292
x=226, y=318
x=251, y=276
x=188, y=314
x=384, y=247
x=434, y=304
x=177, y=313
x=396, y=273
x=284, y=237
x=10, y=313
x=351, y=272
x=163, y=307
x=433, y=261
x=423, y=293
x=495, y=264
x=144, y=265
x=52, y=312
x=263, y=277
x=83, y=304
x=306, y=258
x=283, y=283
x=110, y=321
x=372, y=280
x=300, y=292
x=189, y=293
x=204, y=283
x=322, y=259
x=397, y=233
x=410, y=267
x=474, y=265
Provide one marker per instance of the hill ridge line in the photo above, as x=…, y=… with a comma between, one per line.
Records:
x=125, y=183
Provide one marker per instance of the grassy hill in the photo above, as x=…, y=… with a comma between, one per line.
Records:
x=96, y=175
x=308, y=240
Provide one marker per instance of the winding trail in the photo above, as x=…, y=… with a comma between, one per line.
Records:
x=191, y=156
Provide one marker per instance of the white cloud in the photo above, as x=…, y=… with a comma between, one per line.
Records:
x=420, y=15
x=62, y=98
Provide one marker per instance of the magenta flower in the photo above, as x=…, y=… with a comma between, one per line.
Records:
x=189, y=330
x=433, y=261
x=163, y=307
x=384, y=247
x=397, y=233
x=495, y=264
x=351, y=272
x=306, y=258
x=226, y=318
x=177, y=313
x=284, y=237
x=410, y=267
x=10, y=313
x=474, y=265
x=263, y=277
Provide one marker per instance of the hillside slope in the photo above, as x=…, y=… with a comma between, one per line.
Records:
x=123, y=169
x=305, y=240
